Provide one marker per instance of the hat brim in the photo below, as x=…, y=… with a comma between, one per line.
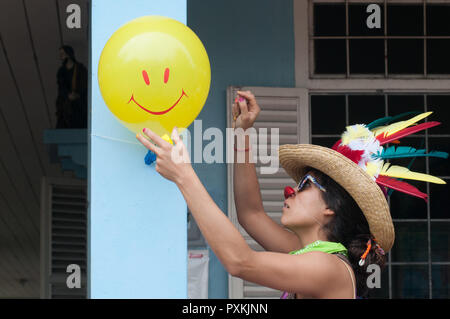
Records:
x=361, y=187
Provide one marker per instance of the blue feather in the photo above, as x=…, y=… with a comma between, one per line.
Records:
x=388, y=119
x=422, y=143
x=406, y=151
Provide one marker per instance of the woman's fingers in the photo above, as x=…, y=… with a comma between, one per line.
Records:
x=234, y=112
x=247, y=94
x=235, y=109
x=148, y=144
x=252, y=104
x=156, y=138
x=175, y=136
x=243, y=106
x=179, y=153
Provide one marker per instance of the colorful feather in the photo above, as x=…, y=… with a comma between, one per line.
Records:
x=354, y=132
x=403, y=172
x=354, y=155
x=405, y=132
x=400, y=186
x=406, y=151
x=363, y=145
x=422, y=144
x=389, y=119
x=373, y=168
x=336, y=145
x=398, y=126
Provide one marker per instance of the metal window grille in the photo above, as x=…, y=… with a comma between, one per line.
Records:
x=427, y=44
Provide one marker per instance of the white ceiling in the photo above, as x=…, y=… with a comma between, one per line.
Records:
x=31, y=31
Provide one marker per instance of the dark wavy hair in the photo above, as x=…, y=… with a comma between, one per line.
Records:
x=350, y=228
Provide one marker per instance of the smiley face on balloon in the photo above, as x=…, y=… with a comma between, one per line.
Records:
x=154, y=72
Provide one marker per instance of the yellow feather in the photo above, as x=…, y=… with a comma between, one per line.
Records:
x=395, y=127
x=403, y=172
x=354, y=132
x=372, y=168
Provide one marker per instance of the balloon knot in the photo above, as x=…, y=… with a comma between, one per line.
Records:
x=150, y=158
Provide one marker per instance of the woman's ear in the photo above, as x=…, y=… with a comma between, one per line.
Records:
x=329, y=212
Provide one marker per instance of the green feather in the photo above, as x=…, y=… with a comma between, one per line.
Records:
x=406, y=151
x=388, y=119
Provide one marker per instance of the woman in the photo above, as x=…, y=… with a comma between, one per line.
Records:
x=329, y=220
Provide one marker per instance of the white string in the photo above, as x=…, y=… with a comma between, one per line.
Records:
x=182, y=135
x=115, y=139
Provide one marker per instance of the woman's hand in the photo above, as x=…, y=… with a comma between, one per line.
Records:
x=172, y=162
x=245, y=110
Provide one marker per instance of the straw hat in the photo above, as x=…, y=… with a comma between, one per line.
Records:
x=357, y=163
x=366, y=193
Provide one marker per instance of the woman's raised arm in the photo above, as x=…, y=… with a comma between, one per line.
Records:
x=247, y=194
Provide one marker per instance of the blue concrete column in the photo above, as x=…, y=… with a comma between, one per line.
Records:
x=137, y=220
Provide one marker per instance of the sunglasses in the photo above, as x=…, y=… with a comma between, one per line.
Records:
x=289, y=191
x=309, y=178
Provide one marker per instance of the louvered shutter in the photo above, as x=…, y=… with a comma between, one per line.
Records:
x=64, y=237
x=286, y=109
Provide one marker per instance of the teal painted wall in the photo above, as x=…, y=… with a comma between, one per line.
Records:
x=249, y=43
x=137, y=219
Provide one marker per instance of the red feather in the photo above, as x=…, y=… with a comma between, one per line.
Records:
x=400, y=186
x=336, y=145
x=354, y=155
x=405, y=132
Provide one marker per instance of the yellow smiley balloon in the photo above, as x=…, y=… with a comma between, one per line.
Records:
x=154, y=72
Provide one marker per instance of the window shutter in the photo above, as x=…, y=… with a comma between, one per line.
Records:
x=285, y=109
x=64, y=237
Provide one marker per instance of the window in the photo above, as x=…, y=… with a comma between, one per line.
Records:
x=411, y=39
x=342, y=65
x=419, y=263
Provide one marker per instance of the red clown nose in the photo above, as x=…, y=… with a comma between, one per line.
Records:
x=288, y=191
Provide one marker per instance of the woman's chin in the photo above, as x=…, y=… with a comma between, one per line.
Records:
x=288, y=218
x=284, y=219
